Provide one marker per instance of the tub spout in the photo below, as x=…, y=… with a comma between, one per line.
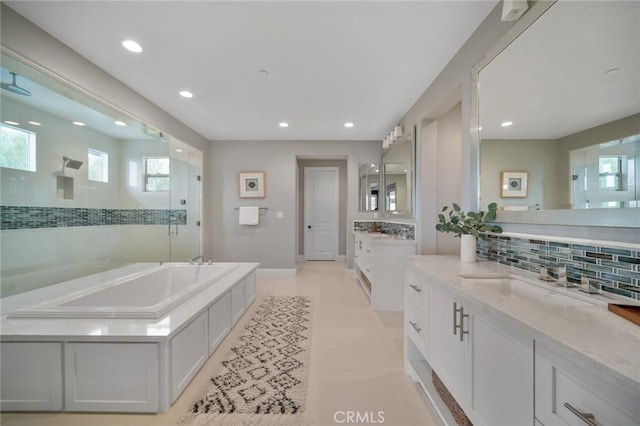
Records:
x=195, y=259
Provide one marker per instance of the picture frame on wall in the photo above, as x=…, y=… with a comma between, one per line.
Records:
x=251, y=184
x=514, y=184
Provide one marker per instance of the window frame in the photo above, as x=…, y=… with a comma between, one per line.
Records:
x=148, y=175
x=31, y=148
x=104, y=165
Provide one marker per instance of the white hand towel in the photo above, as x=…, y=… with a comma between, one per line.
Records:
x=249, y=215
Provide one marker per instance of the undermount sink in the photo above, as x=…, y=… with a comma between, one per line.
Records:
x=515, y=289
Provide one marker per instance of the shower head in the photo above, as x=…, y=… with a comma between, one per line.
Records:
x=14, y=88
x=72, y=164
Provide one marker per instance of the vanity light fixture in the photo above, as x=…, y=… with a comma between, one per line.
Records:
x=13, y=123
x=506, y=124
x=284, y=124
x=131, y=46
x=186, y=94
x=348, y=124
x=79, y=123
x=120, y=123
x=35, y=123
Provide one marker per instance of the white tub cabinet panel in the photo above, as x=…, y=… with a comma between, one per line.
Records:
x=219, y=321
x=250, y=289
x=111, y=377
x=238, y=303
x=562, y=384
x=31, y=376
x=189, y=351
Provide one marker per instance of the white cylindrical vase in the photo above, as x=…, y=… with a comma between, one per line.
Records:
x=468, y=248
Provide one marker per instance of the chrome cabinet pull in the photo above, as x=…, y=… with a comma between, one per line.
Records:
x=415, y=326
x=588, y=418
x=415, y=287
x=456, y=326
x=462, y=317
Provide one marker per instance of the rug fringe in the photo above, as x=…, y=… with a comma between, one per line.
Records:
x=240, y=419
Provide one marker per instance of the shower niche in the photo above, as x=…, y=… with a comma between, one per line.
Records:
x=64, y=187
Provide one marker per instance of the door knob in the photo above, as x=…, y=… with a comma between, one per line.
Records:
x=308, y=226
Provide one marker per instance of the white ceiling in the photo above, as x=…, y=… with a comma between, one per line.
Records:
x=551, y=82
x=327, y=62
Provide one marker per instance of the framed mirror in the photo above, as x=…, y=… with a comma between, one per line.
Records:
x=398, y=163
x=563, y=109
x=369, y=187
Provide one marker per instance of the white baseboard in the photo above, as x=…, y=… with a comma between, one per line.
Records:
x=275, y=272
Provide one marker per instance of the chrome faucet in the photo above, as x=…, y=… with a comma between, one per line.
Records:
x=195, y=259
x=590, y=286
x=560, y=275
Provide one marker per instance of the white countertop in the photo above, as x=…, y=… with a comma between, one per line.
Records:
x=587, y=329
x=91, y=329
x=380, y=238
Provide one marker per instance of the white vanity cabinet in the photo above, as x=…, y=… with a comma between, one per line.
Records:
x=569, y=394
x=485, y=365
x=378, y=267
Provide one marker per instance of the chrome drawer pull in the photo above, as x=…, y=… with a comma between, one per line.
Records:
x=588, y=418
x=415, y=326
x=415, y=287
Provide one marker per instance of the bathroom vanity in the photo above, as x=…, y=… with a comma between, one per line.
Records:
x=514, y=351
x=378, y=267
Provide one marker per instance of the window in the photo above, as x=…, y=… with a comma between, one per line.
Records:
x=156, y=174
x=17, y=148
x=98, y=165
x=610, y=169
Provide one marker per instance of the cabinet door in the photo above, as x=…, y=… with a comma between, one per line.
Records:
x=446, y=351
x=366, y=255
x=501, y=375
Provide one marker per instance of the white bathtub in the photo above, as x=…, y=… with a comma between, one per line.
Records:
x=149, y=294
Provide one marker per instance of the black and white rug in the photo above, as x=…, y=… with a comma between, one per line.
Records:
x=263, y=379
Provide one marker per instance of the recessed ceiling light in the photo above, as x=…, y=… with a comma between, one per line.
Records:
x=506, y=124
x=78, y=123
x=283, y=124
x=178, y=150
x=120, y=123
x=348, y=124
x=132, y=46
x=13, y=123
x=35, y=123
x=186, y=94
x=480, y=128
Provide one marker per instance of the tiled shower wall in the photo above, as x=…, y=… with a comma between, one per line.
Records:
x=14, y=217
x=617, y=269
x=405, y=230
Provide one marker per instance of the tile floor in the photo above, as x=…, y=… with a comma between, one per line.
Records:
x=356, y=361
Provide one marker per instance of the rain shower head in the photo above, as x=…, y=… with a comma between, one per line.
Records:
x=72, y=164
x=14, y=88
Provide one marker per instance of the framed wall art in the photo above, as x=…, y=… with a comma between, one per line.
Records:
x=251, y=184
x=514, y=184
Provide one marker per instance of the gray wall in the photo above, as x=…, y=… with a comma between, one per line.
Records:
x=274, y=243
x=538, y=157
x=342, y=203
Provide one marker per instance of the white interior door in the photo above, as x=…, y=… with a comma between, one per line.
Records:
x=321, y=213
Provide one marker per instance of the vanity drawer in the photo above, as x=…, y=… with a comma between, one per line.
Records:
x=565, y=392
x=416, y=287
x=415, y=324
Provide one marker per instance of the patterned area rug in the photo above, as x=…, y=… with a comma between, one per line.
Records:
x=263, y=379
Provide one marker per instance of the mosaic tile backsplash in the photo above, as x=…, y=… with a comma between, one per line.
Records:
x=617, y=269
x=406, y=230
x=14, y=217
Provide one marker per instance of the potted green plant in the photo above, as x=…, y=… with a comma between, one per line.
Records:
x=468, y=226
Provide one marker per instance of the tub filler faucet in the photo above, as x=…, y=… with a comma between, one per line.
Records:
x=195, y=259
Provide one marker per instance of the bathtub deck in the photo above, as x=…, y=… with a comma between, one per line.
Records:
x=118, y=365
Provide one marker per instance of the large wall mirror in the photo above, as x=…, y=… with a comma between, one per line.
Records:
x=84, y=187
x=559, y=118
x=398, y=164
